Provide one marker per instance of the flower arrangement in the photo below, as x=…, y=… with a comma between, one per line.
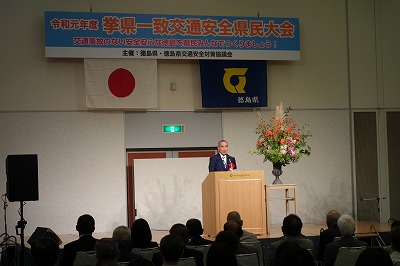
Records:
x=281, y=141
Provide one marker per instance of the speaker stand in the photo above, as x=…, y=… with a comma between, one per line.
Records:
x=19, y=260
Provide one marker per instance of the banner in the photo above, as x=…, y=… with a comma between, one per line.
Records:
x=121, y=83
x=231, y=83
x=160, y=36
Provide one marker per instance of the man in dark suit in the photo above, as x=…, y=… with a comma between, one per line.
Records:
x=86, y=242
x=222, y=161
x=347, y=226
x=328, y=235
x=195, y=233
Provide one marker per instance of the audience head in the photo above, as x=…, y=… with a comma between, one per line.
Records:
x=234, y=227
x=140, y=233
x=180, y=230
x=373, y=256
x=229, y=238
x=85, y=224
x=346, y=225
x=234, y=216
x=194, y=227
x=106, y=250
x=221, y=254
x=171, y=248
x=395, y=237
x=45, y=251
x=332, y=218
x=122, y=235
x=290, y=253
x=292, y=225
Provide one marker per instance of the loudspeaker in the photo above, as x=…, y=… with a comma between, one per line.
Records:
x=43, y=232
x=22, y=177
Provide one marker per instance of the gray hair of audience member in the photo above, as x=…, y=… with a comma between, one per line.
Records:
x=106, y=249
x=346, y=225
x=171, y=248
x=122, y=234
x=332, y=217
x=234, y=216
x=45, y=251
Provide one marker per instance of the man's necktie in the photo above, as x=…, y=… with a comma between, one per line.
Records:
x=223, y=159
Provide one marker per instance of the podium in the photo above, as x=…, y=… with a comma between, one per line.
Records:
x=241, y=191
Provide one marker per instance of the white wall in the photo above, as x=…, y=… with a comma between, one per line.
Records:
x=81, y=158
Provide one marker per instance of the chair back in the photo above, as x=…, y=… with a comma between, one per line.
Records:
x=202, y=248
x=87, y=258
x=247, y=259
x=190, y=261
x=146, y=253
x=257, y=245
x=347, y=256
x=397, y=263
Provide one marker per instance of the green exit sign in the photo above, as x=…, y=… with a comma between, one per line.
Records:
x=173, y=128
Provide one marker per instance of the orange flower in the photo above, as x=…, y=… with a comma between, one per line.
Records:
x=282, y=141
x=297, y=139
x=259, y=143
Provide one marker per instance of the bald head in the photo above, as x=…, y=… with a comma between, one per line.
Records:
x=332, y=218
x=234, y=216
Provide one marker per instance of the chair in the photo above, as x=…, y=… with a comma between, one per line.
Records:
x=83, y=258
x=397, y=263
x=247, y=259
x=257, y=245
x=146, y=253
x=202, y=248
x=347, y=256
x=187, y=261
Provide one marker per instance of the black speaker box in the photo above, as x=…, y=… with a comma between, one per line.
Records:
x=22, y=177
x=43, y=232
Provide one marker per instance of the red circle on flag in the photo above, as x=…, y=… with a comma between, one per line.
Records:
x=121, y=83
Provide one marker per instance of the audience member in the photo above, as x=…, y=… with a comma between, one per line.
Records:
x=171, y=249
x=395, y=242
x=106, y=252
x=229, y=238
x=122, y=235
x=247, y=236
x=195, y=233
x=291, y=229
x=85, y=227
x=45, y=252
x=236, y=228
x=141, y=235
x=328, y=235
x=182, y=231
x=347, y=227
x=290, y=253
x=221, y=254
x=373, y=256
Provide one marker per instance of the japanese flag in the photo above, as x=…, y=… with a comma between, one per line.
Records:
x=121, y=83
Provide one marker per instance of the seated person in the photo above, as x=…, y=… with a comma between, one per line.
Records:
x=395, y=242
x=247, y=236
x=106, y=252
x=85, y=227
x=290, y=253
x=181, y=230
x=122, y=235
x=237, y=230
x=195, y=230
x=171, y=249
x=328, y=235
x=221, y=254
x=347, y=227
x=373, y=256
x=45, y=252
x=291, y=229
x=141, y=236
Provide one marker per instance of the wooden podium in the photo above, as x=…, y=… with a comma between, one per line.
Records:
x=241, y=191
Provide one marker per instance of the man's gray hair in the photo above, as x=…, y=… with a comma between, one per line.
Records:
x=346, y=225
